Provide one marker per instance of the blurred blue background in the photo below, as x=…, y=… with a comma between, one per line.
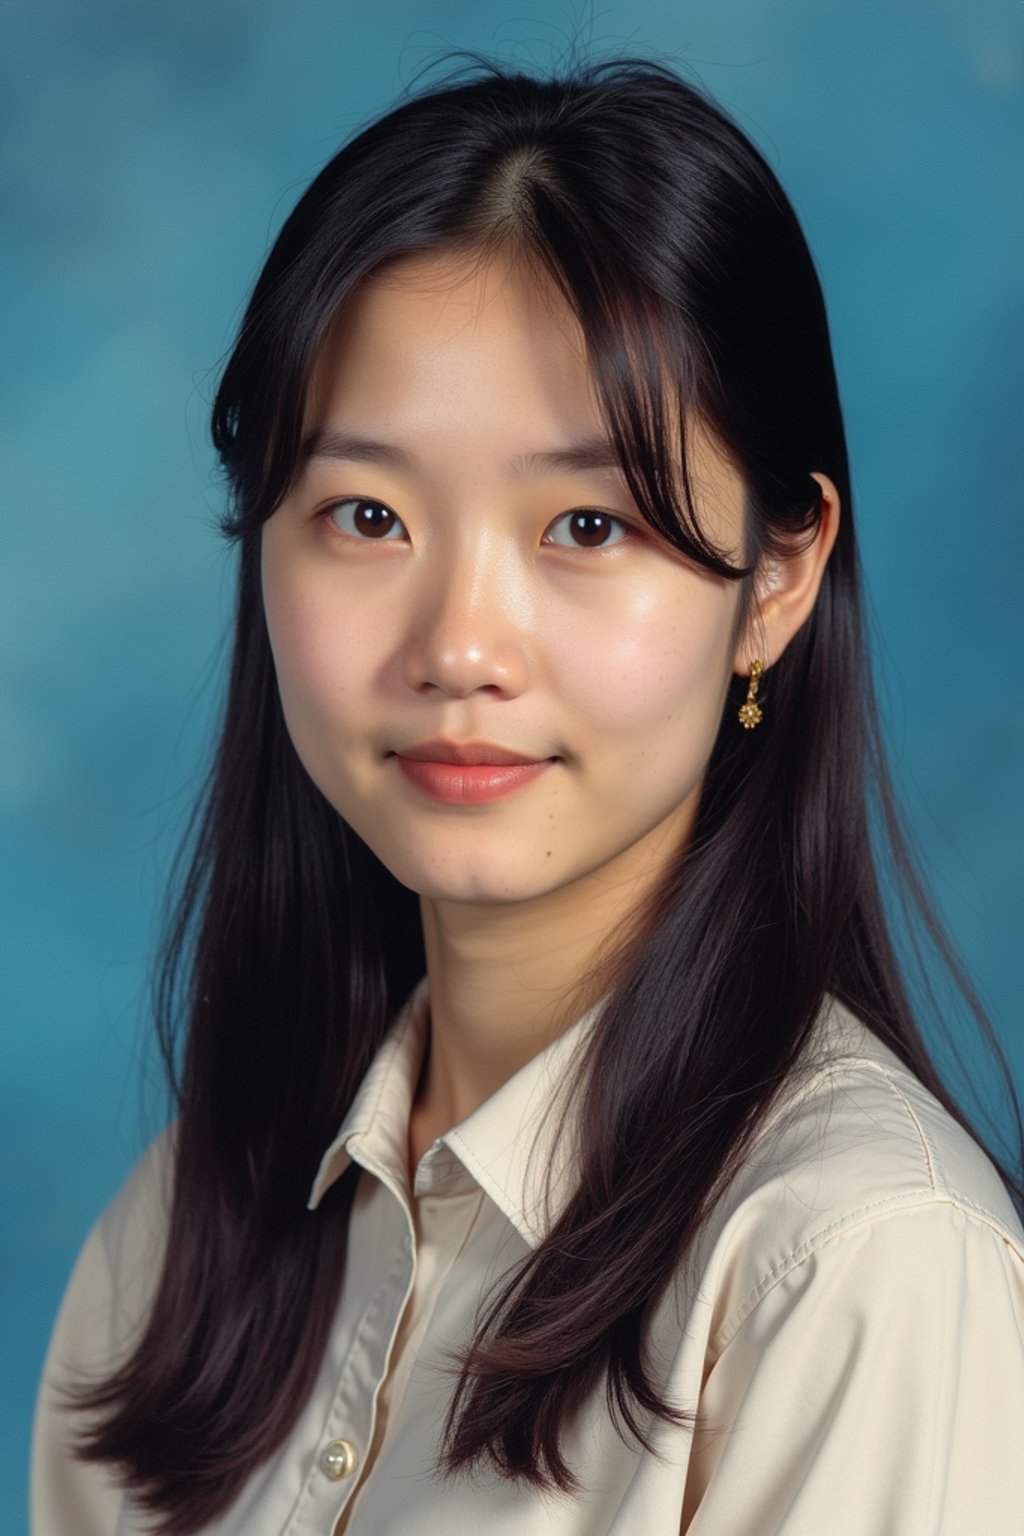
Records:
x=148, y=153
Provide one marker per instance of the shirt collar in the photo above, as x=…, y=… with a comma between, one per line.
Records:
x=518, y=1146
x=378, y=1117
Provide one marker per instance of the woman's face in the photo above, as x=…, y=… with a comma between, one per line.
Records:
x=488, y=663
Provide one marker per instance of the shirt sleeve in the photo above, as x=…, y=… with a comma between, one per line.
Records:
x=104, y=1303
x=876, y=1388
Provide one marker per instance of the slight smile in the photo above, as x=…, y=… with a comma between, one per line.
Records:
x=467, y=773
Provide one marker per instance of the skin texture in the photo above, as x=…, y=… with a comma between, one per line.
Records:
x=480, y=617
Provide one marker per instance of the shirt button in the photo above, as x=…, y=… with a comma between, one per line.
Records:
x=338, y=1459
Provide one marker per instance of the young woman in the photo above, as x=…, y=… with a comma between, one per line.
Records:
x=556, y=1150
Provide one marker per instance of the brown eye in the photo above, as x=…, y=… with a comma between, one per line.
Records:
x=366, y=519
x=586, y=529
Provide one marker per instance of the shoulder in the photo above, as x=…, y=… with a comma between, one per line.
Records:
x=854, y=1342
x=105, y=1304
x=858, y=1155
x=111, y=1286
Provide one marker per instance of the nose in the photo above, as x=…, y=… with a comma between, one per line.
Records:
x=470, y=630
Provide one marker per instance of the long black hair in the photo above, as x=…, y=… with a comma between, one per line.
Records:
x=291, y=946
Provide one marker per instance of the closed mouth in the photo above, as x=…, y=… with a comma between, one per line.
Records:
x=469, y=754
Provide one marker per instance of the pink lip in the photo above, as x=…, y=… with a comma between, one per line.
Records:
x=471, y=753
x=468, y=773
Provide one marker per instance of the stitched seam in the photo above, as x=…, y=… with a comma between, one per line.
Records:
x=926, y=1146
x=936, y=1173
x=828, y=1071
x=335, y=1420
x=851, y=1222
x=859, y=1214
x=495, y=1191
x=340, y=1148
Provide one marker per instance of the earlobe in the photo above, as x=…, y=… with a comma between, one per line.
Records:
x=786, y=589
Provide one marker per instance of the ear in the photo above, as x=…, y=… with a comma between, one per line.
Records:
x=786, y=589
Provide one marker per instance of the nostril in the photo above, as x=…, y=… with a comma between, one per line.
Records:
x=473, y=664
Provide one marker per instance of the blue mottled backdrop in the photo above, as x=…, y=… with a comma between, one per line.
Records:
x=148, y=153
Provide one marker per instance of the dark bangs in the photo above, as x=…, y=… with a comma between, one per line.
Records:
x=576, y=202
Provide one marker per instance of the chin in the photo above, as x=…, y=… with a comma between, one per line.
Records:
x=471, y=887
x=468, y=879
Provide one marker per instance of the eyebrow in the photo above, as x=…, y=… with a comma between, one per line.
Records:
x=586, y=455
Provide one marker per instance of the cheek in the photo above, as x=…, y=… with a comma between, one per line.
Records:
x=668, y=659
x=320, y=651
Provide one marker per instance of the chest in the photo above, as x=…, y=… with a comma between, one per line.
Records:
x=362, y=1458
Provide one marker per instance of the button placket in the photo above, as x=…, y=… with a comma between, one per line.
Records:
x=339, y=1461
x=340, y=1458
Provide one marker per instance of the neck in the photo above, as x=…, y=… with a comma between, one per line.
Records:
x=506, y=979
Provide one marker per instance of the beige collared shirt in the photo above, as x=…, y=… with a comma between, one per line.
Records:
x=849, y=1329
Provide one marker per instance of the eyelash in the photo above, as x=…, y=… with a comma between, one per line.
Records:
x=619, y=523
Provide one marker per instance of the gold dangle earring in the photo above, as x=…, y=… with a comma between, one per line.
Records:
x=751, y=713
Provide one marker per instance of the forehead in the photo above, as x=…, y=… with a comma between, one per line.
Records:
x=467, y=359
x=453, y=324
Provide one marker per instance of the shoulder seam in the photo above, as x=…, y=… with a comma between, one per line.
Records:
x=938, y=1179
x=853, y=1221
x=927, y=1148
